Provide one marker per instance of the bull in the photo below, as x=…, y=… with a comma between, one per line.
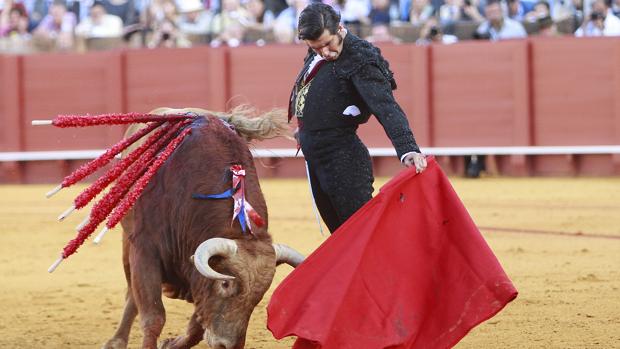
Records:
x=188, y=249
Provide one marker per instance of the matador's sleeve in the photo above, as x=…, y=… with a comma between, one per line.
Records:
x=376, y=91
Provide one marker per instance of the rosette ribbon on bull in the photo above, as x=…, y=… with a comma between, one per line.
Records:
x=242, y=208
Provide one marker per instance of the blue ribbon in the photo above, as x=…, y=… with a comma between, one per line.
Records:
x=225, y=195
x=242, y=219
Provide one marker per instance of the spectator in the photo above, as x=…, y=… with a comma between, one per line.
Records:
x=615, y=8
x=562, y=9
x=158, y=12
x=141, y=7
x=167, y=35
x=578, y=12
x=56, y=29
x=194, y=19
x=355, y=14
x=546, y=27
x=379, y=14
x=275, y=6
x=99, y=24
x=459, y=10
x=557, y=9
x=36, y=10
x=14, y=35
x=125, y=9
x=541, y=10
x=262, y=19
x=12, y=19
x=421, y=11
x=497, y=26
x=404, y=9
x=516, y=10
x=450, y=11
x=381, y=33
x=432, y=33
x=228, y=26
x=528, y=5
x=471, y=12
x=80, y=8
x=285, y=26
x=600, y=22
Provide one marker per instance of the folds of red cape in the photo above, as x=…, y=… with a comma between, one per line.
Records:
x=409, y=270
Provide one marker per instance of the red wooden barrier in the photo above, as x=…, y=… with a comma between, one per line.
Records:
x=577, y=100
x=11, y=138
x=525, y=92
x=176, y=78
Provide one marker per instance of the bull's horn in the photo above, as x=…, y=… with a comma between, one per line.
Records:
x=214, y=247
x=288, y=255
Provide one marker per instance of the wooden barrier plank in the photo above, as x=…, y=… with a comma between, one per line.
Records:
x=10, y=106
x=56, y=84
x=263, y=77
x=522, y=119
x=421, y=117
x=174, y=78
x=11, y=133
x=616, y=75
x=473, y=91
x=574, y=91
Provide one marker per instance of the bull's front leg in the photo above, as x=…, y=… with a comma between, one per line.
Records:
x=146, y=282
x=193, y=336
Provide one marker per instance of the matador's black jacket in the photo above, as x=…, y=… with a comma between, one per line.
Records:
x=339, y=164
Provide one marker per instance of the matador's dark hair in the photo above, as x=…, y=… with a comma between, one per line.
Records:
x=315, y=18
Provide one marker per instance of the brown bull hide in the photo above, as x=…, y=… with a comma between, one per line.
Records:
x=166, y=226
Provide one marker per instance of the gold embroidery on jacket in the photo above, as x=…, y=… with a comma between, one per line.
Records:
x=301, y=99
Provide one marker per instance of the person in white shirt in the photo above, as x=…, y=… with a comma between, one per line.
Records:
x=194, y=18
x=600, y=22
x=100, y=24
x=497, y=26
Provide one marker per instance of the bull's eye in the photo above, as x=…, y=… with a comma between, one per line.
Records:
x=226, y=288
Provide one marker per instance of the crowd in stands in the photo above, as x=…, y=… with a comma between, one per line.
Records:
x=81, y=25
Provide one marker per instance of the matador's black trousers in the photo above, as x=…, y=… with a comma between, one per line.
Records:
x=340, y=172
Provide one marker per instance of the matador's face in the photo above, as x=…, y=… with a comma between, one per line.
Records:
x=328, y=45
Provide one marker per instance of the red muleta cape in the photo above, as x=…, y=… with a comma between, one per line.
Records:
x=409, y=270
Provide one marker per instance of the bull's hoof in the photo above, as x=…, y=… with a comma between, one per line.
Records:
x=169, y=343
x=115, y=343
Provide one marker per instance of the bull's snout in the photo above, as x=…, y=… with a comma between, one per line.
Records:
x=216, y=342
x=224, y=344
x=221, y=346
x=219, y=343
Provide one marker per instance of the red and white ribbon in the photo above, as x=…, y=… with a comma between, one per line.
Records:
x=242, y=208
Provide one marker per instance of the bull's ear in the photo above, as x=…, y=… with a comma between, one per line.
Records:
x=288, y=255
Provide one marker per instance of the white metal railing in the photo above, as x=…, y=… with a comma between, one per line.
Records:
x=290, y=152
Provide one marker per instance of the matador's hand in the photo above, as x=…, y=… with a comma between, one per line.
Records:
x=415, y=159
